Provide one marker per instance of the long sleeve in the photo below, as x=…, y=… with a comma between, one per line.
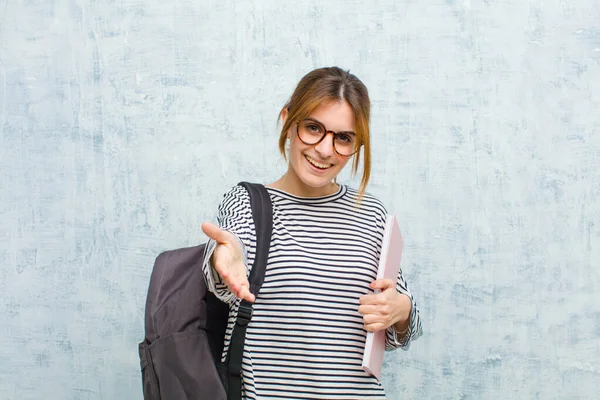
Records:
x=234, y=215
x=414, y=328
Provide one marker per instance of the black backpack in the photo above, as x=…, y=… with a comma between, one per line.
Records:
x=185, y=324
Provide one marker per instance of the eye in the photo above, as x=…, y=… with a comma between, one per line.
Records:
x=345, y=137
x=314, y=128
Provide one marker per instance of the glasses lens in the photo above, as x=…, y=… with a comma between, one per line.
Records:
x=310, y=132
x=345, y=143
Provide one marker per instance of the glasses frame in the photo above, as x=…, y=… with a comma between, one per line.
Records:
x=325, y=134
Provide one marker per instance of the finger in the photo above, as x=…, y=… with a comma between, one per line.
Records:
x=215, y=233
x=382, y=284
x=240, y=289
x=236, y=283
x=373, y=319
x=227, y=274
x=368, y=309
x=245, y=294
x=371, y=299
x=374, y=327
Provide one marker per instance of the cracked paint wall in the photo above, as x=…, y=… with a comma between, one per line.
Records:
x=124, y=122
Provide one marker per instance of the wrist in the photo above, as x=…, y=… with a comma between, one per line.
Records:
x=401, y=332
x=404, y=309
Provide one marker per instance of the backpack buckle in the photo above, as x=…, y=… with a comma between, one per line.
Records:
x=245, y=312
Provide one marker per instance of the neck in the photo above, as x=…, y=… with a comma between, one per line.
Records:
x=291, y=184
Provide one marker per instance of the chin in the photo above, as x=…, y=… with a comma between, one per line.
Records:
x=315, y=182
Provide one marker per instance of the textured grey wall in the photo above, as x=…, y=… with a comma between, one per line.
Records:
x=123, y=122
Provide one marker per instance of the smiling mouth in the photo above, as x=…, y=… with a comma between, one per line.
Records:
x=317, y=164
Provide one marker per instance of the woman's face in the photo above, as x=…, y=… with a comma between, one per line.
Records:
x=315, y=166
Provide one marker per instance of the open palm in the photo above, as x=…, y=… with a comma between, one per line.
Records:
x=228, y=260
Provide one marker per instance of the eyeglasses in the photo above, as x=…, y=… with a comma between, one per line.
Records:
x=312, y=132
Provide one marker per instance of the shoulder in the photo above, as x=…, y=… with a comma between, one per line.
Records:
x=368, y=207
x=236, y=198
x=368, y=203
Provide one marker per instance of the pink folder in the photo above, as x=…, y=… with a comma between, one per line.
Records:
x=389, y=268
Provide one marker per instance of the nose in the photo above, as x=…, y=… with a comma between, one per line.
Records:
x=325, y=146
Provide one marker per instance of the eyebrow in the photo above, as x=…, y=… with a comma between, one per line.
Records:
x=319, y=122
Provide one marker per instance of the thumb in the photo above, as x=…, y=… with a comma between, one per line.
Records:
x=382, y=284
x=215, y=233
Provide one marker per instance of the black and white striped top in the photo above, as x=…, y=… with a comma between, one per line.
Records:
x=306, y=337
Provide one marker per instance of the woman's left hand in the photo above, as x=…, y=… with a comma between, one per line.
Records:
x=386, y=308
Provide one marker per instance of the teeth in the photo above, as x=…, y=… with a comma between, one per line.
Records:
x=316, y=164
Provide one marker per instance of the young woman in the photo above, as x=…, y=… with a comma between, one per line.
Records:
x=307, y=334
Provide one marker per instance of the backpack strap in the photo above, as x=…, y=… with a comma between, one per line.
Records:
x=262, y=214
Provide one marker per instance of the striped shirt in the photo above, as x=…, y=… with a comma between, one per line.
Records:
x=306, y=336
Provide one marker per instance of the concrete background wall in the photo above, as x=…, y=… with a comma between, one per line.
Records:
x=124, y=122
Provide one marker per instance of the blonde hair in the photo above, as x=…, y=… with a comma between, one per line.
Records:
x=327, y=84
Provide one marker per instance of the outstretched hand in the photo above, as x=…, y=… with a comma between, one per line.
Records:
x=228, y=260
